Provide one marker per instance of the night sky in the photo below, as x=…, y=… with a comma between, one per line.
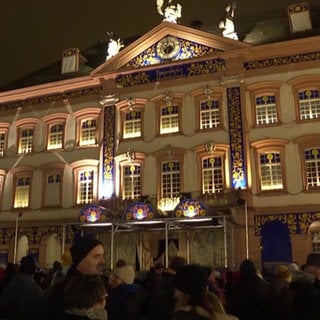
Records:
x=34, y=32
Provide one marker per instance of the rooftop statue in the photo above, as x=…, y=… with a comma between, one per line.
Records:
x=227, y=24
x=170, y=11
x=114, y=47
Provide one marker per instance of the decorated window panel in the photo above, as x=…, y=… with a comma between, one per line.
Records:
x=212, y=175
x=26, y=140
x=312, y=167
x=52, y=190
x=209, y=114
x=88, y=132
x=309, y=104
x=22, y=192
x=169, y=119
x=131, y=181
x=55, y=137
x=85, y=186
x=266, y=110
x=132, y=124
x=271, y=171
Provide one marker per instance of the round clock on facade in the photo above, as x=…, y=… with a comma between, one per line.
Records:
x=168, y=47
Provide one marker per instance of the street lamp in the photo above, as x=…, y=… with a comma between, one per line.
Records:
x=16, y=237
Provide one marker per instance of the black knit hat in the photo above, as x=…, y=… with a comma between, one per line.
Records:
x=191, y=279
x=81, y=247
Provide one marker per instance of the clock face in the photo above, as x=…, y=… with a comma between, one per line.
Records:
x=168, y=47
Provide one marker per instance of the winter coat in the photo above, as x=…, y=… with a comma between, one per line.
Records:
x=23, y=299
x=199, y=313
x=126, y=302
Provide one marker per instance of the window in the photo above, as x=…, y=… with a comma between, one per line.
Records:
x=270, y=163
x=55, y=139
x=208, y=104
x=312, y=159
x=132, y=124
x=315, y=236
x=26, y=140
x=22, y=192
x=2, y=143
x=212, y=173
x=309, y=104
x=270, y=170
x=85, y=191
x=309, y=149
x=265, y=101
x=131, y=181
x=88, y=132
x=87, y=126
x=2, y=177
x=169, y=119
x=131, y=114
x=86, y=179
x=170, y=179
x=169, y=113
x=266, y=110
x=209, y=114
x=306, y=97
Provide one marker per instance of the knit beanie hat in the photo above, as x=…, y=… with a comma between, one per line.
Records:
x=191, y=279
x=81, y=247
x=27, y=265
x=281, y=272
x=125, y=273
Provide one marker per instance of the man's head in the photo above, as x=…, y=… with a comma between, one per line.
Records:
x=87, y=255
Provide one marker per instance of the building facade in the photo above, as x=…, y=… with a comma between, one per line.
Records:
x=180, y=114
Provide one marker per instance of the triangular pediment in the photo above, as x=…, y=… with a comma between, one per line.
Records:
x=168, y=43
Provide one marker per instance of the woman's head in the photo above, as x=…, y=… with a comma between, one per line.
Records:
x=84, y=292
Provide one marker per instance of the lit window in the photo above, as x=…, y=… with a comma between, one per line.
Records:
x=25, y=140
x=169, y=119
x=22, y=191
x=132, y=124
x=271, y=172
x=312, y=164
x=88, y=132
x=2, y=143
x=309, y=104
x=52, y=189
x=55, y=138
x=212, y=175
x=85, y=186
x=266, y=110
x=170, y=179
x=315, y=236
x=209, y=114
x=131, y=181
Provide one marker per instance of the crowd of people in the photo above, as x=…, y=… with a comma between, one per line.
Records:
x=86, y=290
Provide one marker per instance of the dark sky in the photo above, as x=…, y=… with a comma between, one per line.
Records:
x=34, y=32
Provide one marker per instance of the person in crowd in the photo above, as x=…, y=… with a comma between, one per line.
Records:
x=193, y=301
x=88, y=259
x=249, y=299
x=153, y=277
x=216, y=284
x=160, y=301
x=85, y=298
x=22, y=298
x=281, y=294
x=312, y=267
x=10, y=270
x=305, y=287
x=125, y=297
